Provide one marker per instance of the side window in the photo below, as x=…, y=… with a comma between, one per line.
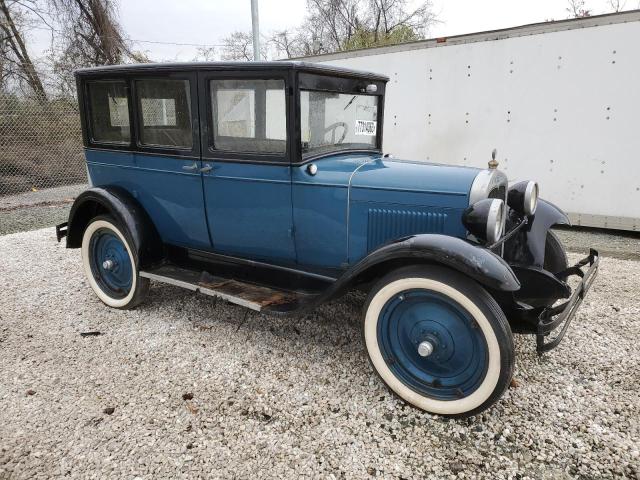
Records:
x=109, y=112
x=249, y=115
x=164, y=112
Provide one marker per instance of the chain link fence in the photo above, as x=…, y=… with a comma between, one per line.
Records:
x=40, y=145
x=41, y=161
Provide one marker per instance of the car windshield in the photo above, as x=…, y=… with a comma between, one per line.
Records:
x=331, y=121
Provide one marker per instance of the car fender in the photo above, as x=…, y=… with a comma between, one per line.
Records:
x=527, y=247
x=126, y=210
x=476, y=262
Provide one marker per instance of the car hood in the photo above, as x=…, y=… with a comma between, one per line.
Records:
x=390, y=174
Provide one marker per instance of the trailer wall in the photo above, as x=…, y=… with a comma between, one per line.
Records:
x=560, y=102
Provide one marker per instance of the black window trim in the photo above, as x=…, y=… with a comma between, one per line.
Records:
x=86, y=116
x=312, y=81
x=134, y=146
x=209, y=152
x=376, y=149
x=164, y=150
x=295, y=78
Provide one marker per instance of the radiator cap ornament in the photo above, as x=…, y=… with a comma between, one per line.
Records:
x=493, y=163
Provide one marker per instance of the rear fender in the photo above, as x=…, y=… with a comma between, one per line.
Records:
x=126, y=210
x=527, y=246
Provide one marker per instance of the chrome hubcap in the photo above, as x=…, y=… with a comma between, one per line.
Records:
x=425, y=348
x=108, y=264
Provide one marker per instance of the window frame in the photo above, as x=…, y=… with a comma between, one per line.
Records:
x=189, y=152
x=335, y=150
x=209, y=152
x=336, y=84
x=295, y=78
x=253, y=90
x=134, y=146
x=86, y=116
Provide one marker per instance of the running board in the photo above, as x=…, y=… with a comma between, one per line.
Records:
x=255, y=297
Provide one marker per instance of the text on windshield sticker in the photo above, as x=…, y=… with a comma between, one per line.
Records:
x=366, y=127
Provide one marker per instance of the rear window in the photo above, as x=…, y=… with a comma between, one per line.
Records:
x=109, y=112
x=165, y=113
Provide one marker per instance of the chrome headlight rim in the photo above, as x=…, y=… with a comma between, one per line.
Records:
x=531, y=195
x=484, y=182
x=495, y=220
x=522, y=197
x=485, y=220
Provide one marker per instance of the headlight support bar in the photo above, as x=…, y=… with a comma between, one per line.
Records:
x=509, y=234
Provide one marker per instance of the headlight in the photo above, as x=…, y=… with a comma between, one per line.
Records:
x=485, y=219
x=523, y=197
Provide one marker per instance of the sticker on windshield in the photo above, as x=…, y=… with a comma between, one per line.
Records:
x=366, y=127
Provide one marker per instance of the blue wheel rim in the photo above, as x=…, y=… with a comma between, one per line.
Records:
x=110, y=263
x=458, y=364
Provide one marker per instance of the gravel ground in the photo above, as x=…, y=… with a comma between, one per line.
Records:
x=32, y=210
x=609, y=243
x=184, y=387
x=45, y=196
x=31, y=218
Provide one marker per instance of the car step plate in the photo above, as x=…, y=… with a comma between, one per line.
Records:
x=255, y=297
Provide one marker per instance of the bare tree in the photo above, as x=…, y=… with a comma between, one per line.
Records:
x=90, y=36
x=91, y=30
x=285, y=43
x=239, y=46
x=290, y=43
x=334, y=25
x=577, y=8
x=386, y=15
x=205, y=54
x=617, y=5
x=336, y=21
x=15, y=59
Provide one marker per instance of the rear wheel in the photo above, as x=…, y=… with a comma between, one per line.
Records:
x=438, y=340
x=555, y=256
x=110, y=264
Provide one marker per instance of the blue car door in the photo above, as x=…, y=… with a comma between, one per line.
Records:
x=245, y=163
x=143, y=136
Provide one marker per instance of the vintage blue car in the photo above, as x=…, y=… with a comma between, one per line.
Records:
x=265, y=184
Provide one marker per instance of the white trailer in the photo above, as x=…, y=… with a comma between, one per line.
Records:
x=559, y=100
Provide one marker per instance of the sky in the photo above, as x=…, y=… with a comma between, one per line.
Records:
x=207, y=22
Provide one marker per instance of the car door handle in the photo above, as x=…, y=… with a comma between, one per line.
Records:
x=206, y=169
x=190, y=168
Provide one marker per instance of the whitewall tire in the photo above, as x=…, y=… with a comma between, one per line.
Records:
x=438, y=340
x=111, y=265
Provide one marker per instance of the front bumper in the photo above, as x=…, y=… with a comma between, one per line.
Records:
x=561, y=315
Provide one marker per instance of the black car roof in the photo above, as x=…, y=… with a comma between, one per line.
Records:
x=232, y=66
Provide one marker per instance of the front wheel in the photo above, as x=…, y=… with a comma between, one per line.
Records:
x=438, y=340
x=110, y=264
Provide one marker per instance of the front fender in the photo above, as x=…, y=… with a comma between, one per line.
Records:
x=476, y=262
x=126, y=210
x=528, y=245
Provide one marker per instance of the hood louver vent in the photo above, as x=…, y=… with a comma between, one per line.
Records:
x=387, y=224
